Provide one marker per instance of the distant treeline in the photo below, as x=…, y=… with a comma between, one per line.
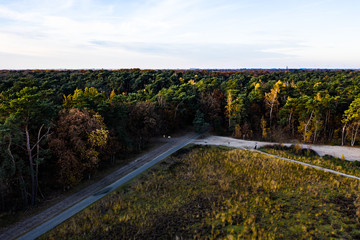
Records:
x=59, y=127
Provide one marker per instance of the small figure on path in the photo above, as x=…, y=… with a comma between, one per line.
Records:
x=255, y=145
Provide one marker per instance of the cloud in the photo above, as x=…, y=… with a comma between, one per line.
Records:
x=188, y=55
x=178, y=32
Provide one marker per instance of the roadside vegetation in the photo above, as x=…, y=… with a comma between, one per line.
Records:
x=218, y=193
x=296, y=152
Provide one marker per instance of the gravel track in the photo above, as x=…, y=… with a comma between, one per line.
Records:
x=350, y=153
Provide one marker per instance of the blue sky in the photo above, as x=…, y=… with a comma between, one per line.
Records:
x=73, y=34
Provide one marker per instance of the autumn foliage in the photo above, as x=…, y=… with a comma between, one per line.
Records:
x=78, y=141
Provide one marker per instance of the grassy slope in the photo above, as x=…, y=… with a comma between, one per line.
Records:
x=217, y=193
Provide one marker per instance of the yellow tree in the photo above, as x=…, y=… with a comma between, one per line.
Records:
x=271, y=99
x=229, y=106
x=234, y=109
x=264, y=130
x=112, y=95
x=87, y=98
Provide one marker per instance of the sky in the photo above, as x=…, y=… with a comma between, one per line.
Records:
x=179, y=34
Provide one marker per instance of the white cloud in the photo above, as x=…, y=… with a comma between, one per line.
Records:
x=178, y=32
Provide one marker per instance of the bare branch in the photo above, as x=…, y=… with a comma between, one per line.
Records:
x=10, y=153
x=41, y=138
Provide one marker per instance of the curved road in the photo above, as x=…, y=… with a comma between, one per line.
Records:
x=60, y=213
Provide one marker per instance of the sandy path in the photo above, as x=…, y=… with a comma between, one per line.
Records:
x=350, y=153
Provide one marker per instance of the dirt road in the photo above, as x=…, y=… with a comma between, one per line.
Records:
x=350, y=153
x=169, y=144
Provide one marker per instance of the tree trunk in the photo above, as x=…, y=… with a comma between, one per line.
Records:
x=37, y=160
x=271, y=109
x=331, y=133
x=315, y=132
x=343, y=135
x=176, y=109
x=307, y=124
x=23, y=191
x=2, y=188
x=11, y=155
x=327, y=120
x=291, y=128
x=31, y=164
x=354, y=133
x=229, y=102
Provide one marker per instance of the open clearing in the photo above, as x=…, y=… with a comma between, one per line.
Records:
x=214, y=193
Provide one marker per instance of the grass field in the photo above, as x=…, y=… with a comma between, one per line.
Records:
x=218, y=193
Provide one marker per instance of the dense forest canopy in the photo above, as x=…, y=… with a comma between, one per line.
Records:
x=67, y=124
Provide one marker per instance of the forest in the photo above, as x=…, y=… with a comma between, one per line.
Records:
x=58, y=127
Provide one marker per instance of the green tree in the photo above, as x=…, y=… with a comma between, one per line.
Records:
x=235, y=109
x=351, y=121
x=180, y=101
x=288, y=114
x=305, y=111
x=211, y=105
x=115, y=112
x=26, y=121
x=88, y=98
x=199, y=122
x=143, y=122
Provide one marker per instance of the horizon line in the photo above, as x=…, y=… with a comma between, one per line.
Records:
x=174, y=69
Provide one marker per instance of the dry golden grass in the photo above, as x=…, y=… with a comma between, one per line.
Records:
x=213, y=193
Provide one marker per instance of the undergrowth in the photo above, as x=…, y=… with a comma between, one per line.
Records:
x=211, y=193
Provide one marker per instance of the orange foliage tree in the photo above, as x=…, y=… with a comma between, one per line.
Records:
x=79, y=139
